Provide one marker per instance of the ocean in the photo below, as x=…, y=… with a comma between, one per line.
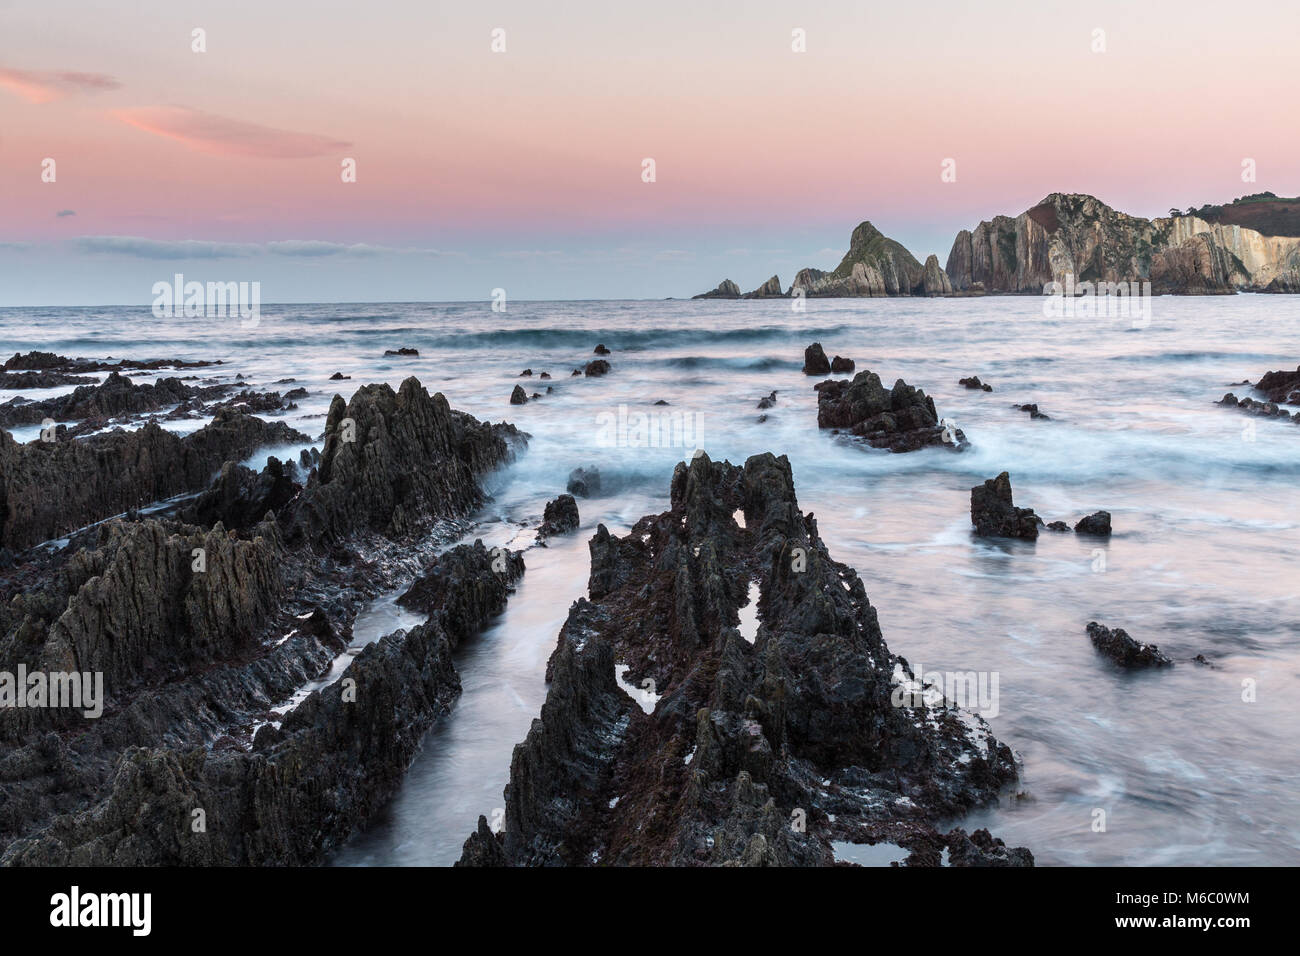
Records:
x=1190, y=765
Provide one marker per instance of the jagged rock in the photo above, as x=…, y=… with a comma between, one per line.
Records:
x=902, y=419
x=771, y=289
x=1124, y=650
x=767, y=401
x=974, y=382
x=560, y=516
x=1264, y=409
x=874, y=266
x=518, y=396
x=1059, y=526
x=402, y=351
x=596, y=368
x=1281, y=387
x=600, y=350
x=466, y=587
x=810, y=722
x=48, y=489
x=1096, y=524
x=240, y=497
x=526, y=373
x=339, y=376
x=726, y=290
x=392, y=459
x=935, y=281
x=840, y=365
x=995, y=516
x=48, y=361
x=815, y=361
x=118, y=395
x=584, y=482
x=41, y=379
x=1033, y=411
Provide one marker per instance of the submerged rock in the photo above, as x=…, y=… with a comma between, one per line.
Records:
x=596, y=368
x=584, y=482
x=518, y=396
x=749, y=750
x=1033, y=411
x=600, y=350
x=1124, y=650
x=901, y=419
x=995, y=516
x=841, y=365
x=1281, y=387
x=402, y=351
x=974, y=382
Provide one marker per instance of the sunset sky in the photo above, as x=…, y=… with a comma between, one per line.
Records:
x=522, y=169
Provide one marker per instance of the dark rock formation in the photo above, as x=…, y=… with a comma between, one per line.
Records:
x=974, y=382
x=560, y=517
x=874, y=266
x=1097, y=523
x=901, y=419
x=118, y=395
x=756, y=753
x=518, y=396
x=815, y=361
x=842, y=366
x=402, y=351
x=767, y=401
x=339, y=377
x=1263, y=409
x=995, y=516
x=48, y=489
x=600, y=350
x=1033, y=411
x=1059, y=526
x=596, y=368
x=771, y=289
x=1124, y=650
x=726, y=290
x=241, y=497
x=584, y=482
x=1281, y=387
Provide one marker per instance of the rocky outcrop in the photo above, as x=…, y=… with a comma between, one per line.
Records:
x=1081, y=237
x=1097, y=524
x=584, y=482
x=240, y=497
x=726, y=290
x=874, y=266
x=994, y=515
x=771, y=289
x=815, y=361
x=559, y=517
x=1124, y=650
x=48, y=489
x=934, y=281
x=394, y=459
x=901, y=419
x=198, y=631
x=1281, y=387
x=118, y=395
x=596, y=368
x=842, y=366
x=742, y=749
x=518, y=396
x=975, y=383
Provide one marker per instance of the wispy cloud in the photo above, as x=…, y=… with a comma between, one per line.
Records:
x=42, y=86
x=221, y=134
x=64, y=213
x=141, y=248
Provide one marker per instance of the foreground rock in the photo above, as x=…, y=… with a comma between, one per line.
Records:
x=974, y=382
x=1124, y=650
x=752, y=753
x=1097, y=524
x=1281, y=387
x=596, y=367
x=48, y=489
x=198, y=631
x=901, y=419
x=815, y=361
x=560, y=517
x=995, y=516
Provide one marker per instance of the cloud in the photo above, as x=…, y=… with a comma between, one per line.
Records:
x=141, y=248
x=219, y=134
x=42, y=86
x=62, y=213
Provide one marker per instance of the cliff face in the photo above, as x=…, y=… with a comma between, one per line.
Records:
x=1081, y=236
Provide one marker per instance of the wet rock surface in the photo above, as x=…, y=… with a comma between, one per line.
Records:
x=1124, y=650
x=900, y=419
x=759, y=753
x=994, y=515
x=584, y=482
x=1281, y=387
x=975, y=383
x=560, y=517
x=1097, y=524
x=199, y=630
x=815, y=361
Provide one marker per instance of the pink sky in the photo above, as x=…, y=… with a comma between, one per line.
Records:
x=460, y=148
